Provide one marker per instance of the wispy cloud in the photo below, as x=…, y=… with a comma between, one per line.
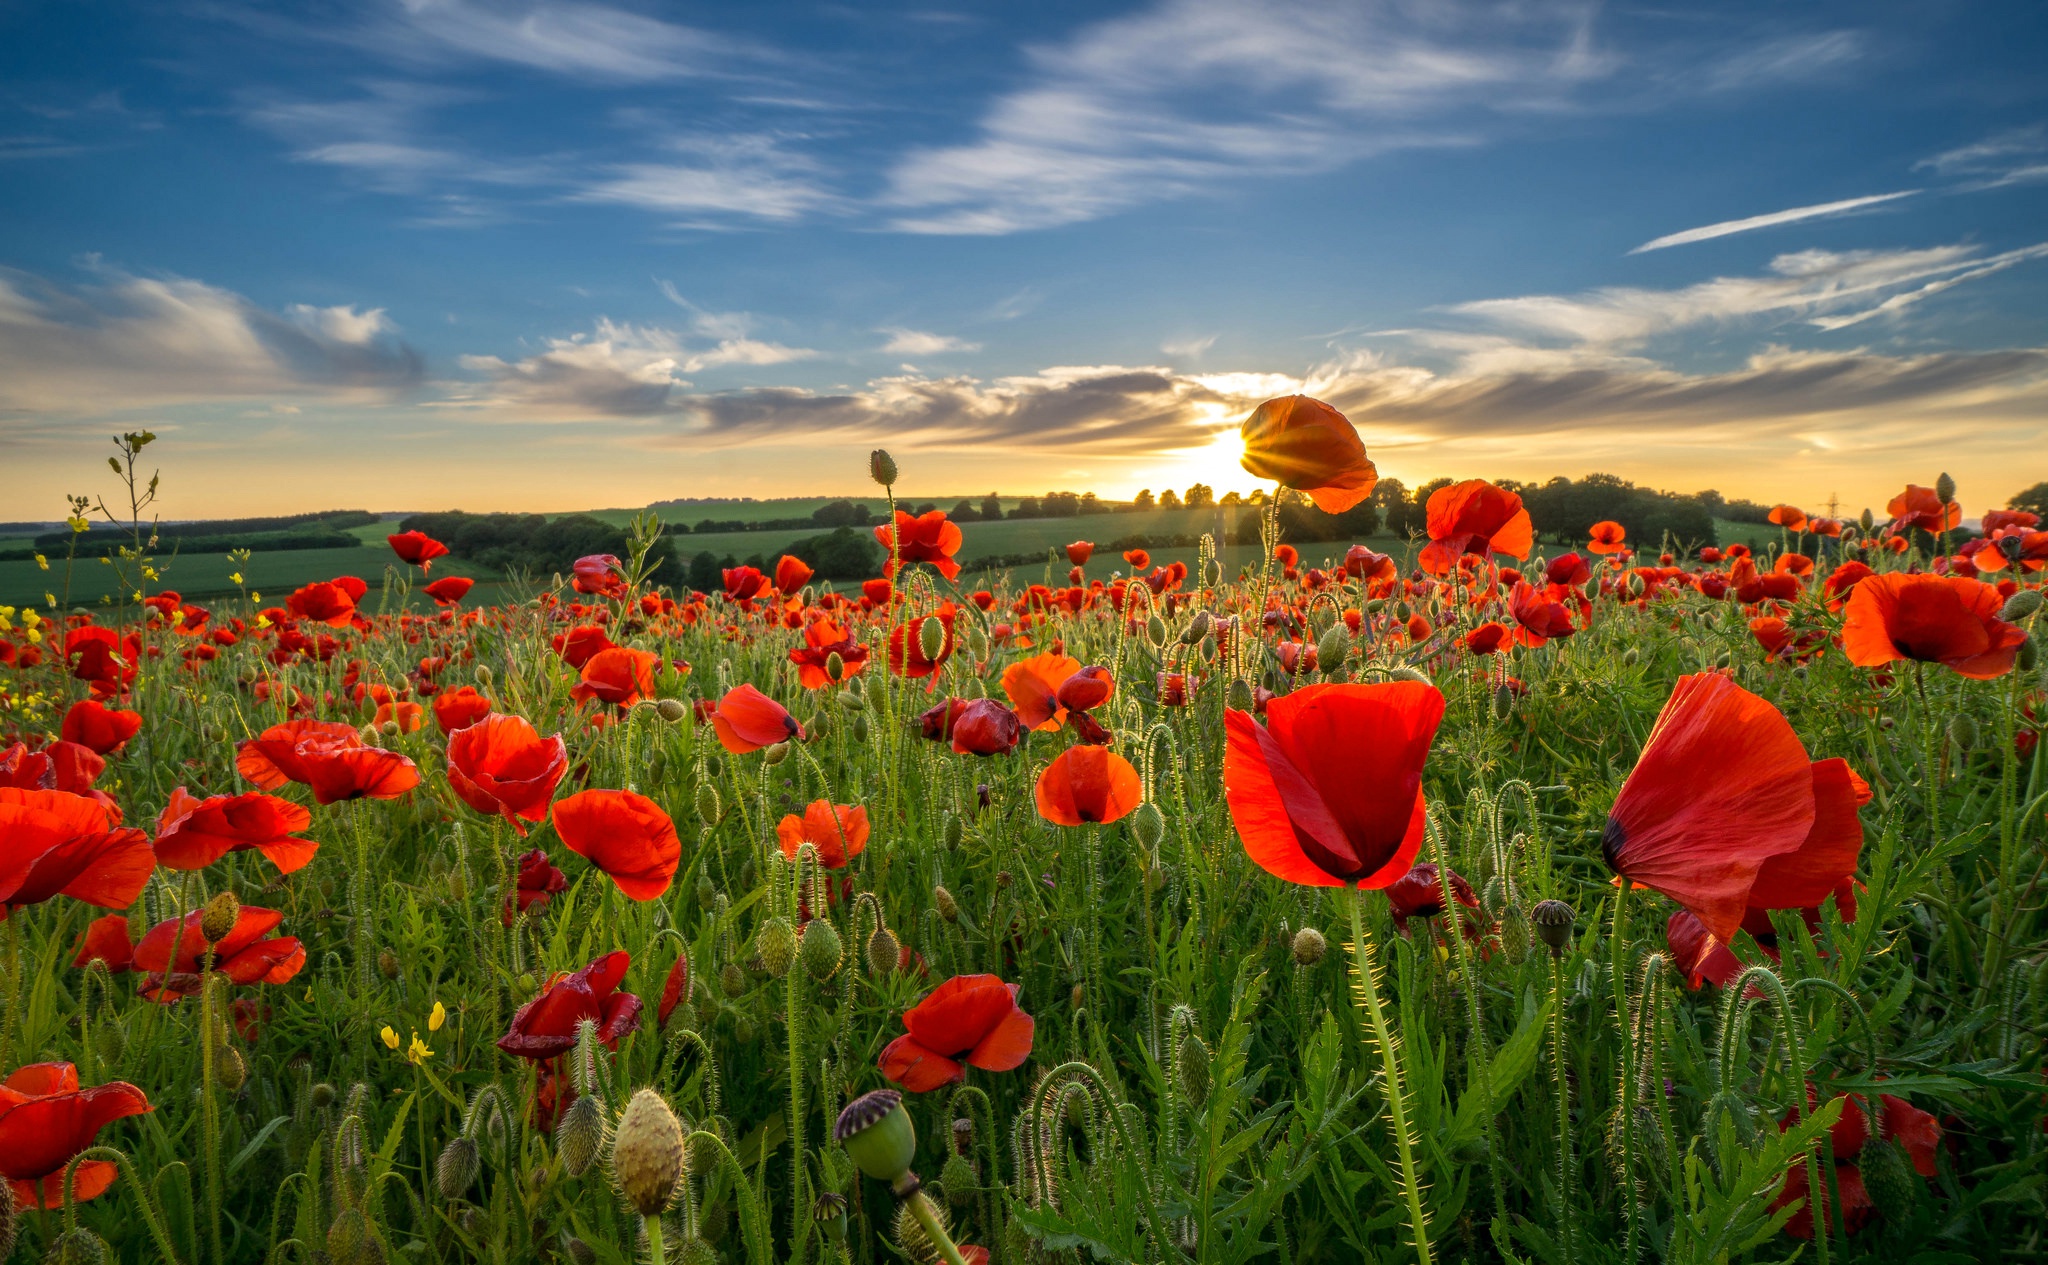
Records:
x=616, y=370
x=585, y=41
x=1826, y=289
x=748, y=176
x=1795, y=215
x=917, y=342
x=2015, y=156
x=1188, y=348
x=126, y=341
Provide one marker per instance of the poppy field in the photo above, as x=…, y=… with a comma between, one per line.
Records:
x=1474, y=901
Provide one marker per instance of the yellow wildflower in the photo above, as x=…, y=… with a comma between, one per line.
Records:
x=437, y=1017
x=42, y=562
x=418, y=1052
x=390, y=1037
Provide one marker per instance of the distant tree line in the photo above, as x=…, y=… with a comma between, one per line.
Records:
x=211, y=530
x=535, y=544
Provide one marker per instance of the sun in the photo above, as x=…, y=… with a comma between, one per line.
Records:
x=1215, y=463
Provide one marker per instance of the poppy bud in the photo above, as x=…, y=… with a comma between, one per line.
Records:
x=111, y=1042
x=79, y=1246
x=647, y=1158
x=387, y=964
x=222, y=912
x=776, y=943
x=321, y=1096
x=1332, y=647
x=1192, y=1066
x=1239, y=696
x=1155, y=631
x=820, y=724
x=1308, y=946
x=2020, y=605
x=1375, y=605
x=963, y=1135
x=1962, y=731
x=959, y=1181
x=2027, y=657
x=710, y=810
x=882, y=467
x=578, y=1252
x=829, y=1211
x=883, y=951
x=775, y=753
x=1406, y=673
x=1503, y=702
x=1077, y=997
x=229, y=1070
x=389, y=728
x=835, y=666
x=1149, y=825
x=671, y=710
x=821, y=949
x=878, y=1136
x=1944, y=488
x=931, y=637
x=457, y=1168
x=732, y=980
x=349, y=1241
x=707, y=892
x=1197, y=629
x=1629, y=657
x=954, y=831
x=1887, y=1175
x=580, y=1135
x=948, y=908
x=1553, y=921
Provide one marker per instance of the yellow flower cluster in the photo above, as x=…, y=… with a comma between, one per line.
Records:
x=416, y=1051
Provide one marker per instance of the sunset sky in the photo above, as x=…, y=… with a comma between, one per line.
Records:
x=424, y=254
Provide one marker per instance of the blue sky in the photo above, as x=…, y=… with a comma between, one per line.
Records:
x=552, y=255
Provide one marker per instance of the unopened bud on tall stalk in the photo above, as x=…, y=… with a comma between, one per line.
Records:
x=222, y=913
x=776, y=943
x=1944, y=488
x=672, y=710
x=948, y=908
x=883, y=950
x=882, y=467
x=821, y=949
x=647, y=1157
x=580, y=1135
x=709, y=809
x=931, y=637
x=456, y=1171
x=1308, y=946
x=1553, y=921
x=2020, y=605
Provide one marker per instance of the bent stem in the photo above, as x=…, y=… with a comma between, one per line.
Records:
x=1628, y=1072
x=1367, y=973
x=921, y=1208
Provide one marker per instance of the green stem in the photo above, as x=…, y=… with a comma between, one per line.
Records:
x=1628, y=1073
x=1397, y=1106
x=921, y=1208
x=1558, y=1054
x=13, y=1020
x=209, y=1105
x=799, y=1207
x=655, y=1247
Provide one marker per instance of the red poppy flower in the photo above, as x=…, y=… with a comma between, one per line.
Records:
x=323, y=602
x=599, y=574
x=1419, y=893
x=457, y=708
x=1033, y=686
x=673, y=990
x=1329, y=791
x=822, y=640
x=56, y=843
x=1080, y=551
x=1304, y=444
x=1088, y=784
x=193, y=833
x=271, y=759
x=926, y=538
x=1704, y=846
x=1567, y=569
x=1363, y=564
x=792, y=573
x=626, y=835
x=1487, y=638
x=336, y=773
x=971, y=1019
x=1608, y=537
x=417, y=548
x=1922, y=507
x=1789, y=517
x=407, y=716
x=106, y=938
x=906, y=644
x=1932, y=619
x=449, y=589
x=1474, y=518
x=748, y=720
x=837, y=831
x=545, y=1028
x=100, y=729
x=173, y=951
x=1138, y=559
x=538, y=882
x=743, y=584
x=618, y=675
x=500, y=765
x=876, y=592
x=1087, y=689
x=1898, y=1121
x=1842, y=581
x=982, y=726
x=1540, y=615
x=581, y=644
x=46, y=1120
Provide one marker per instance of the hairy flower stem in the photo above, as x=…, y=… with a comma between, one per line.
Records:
x=799, y=1206
x=1558, y=1054
x=655, y=1247
x=921, y=1208
x=1628, y=1073
x=13, y=1020
x=1397, y=1105
x=209, y=1106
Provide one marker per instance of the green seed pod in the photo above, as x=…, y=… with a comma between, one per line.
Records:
x=672, y=710
x=580, y=1135
x=1155, y=631
x=882, y=468
x=1944, y=488
x=707, y=893
x=457, y=1168
x=321, y=1096
x=878, y=1135
x=931, y=637
x=647, y=1157
x=883, y=951
x=1239, y=696
x=1192, y=1066
x=948, y=908
x=1148, y=825
x=710, y=809
x=835, y=666
x=1332, y=647
x=829, y=1211
x=1888, y=1175
x=1503, y=702
x=1197, y=629
x=229, y=1069
x=526, y=984
x=821, y=949
x=849, y=700
x=776, y=943
x=1962, y=730
x=776, y=753
x=953, y=831
x=1553, y=921
x=860, y=728
x=1375, y=605
x=110, y=1040
x=1308, y=946
x=820, y=723
x=732, y=981
x=959, y=1181
x=77, y=1247
x=222, y=912
x=2020, y=605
